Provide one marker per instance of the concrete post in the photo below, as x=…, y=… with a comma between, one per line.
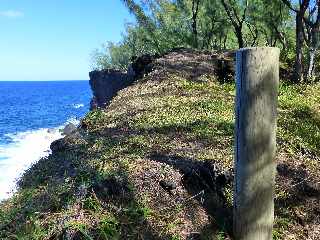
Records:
x=257, y=77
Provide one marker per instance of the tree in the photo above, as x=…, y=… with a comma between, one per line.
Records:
x=312, y=27
x=111, y=55
x=237, y=12
x=215, y=27
x=300, y=14
x=270, y=19
x=143, y=21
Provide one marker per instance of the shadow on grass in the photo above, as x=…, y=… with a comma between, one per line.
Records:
x=301, y=190
x=206, y=183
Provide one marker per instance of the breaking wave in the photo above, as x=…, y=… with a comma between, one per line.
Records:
x=23, y=150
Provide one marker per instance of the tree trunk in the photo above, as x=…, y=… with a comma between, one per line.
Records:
x=312, y=54
x=195, y=9
x=238, y=31
x=225, y=42
x=313, y=46
x=298, y=76
x=256, y=108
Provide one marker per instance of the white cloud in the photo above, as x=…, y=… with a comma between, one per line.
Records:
x=11, y=14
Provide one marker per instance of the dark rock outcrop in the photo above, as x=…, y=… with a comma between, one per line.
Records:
x=75, y=138
x=105, y=84
x=142, y=65
x=69, y=129
x=58, y=145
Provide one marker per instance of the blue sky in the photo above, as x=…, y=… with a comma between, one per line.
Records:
x=53, y=39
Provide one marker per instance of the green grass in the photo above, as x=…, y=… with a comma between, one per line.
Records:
x=299, y=118
x=108, y=228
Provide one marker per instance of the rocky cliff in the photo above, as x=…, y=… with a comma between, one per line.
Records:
x=105, y=85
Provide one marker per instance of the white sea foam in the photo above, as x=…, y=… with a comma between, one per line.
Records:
x=78, y=105
x=72, y=120
x=25, y=149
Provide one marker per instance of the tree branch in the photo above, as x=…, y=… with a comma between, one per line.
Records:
x=288, y=4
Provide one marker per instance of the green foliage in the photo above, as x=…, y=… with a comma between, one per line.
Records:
x=112, y=55
x=108, y=228
x=92, y=203
x=221, y=235
x=137, y=213
x=32, y=230
x=175, y=237
x=281, y=224
x=93, y=118
x=79, y=227
x=163, y=24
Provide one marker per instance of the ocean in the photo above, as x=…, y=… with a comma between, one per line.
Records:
x=32, y=114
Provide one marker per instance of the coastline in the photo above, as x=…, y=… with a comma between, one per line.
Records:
x=24, y=150
x=32, y=116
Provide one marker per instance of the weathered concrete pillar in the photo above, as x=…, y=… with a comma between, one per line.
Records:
x=257, y=77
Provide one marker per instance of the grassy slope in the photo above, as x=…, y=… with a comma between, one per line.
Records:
x=104, y=182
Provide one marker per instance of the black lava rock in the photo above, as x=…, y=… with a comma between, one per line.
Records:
x=167, y=185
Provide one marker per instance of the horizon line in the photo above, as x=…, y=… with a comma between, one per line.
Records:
x=47, y=80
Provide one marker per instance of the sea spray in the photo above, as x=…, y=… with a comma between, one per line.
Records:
x=25, y=149
x=78, y=105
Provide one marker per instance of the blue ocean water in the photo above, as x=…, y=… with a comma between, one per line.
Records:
x=32, y=115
